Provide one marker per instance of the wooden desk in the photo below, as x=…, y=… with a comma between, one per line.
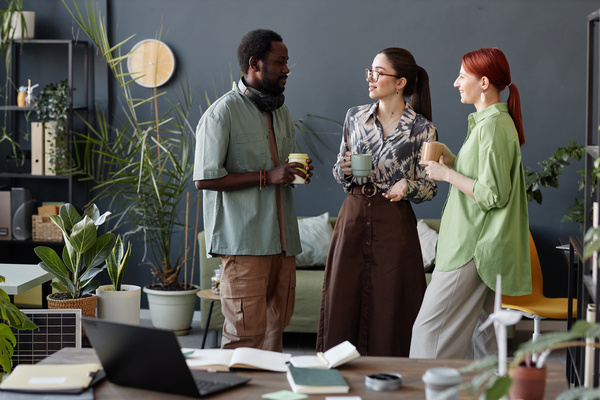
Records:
x=20, y=278
x=266, y=382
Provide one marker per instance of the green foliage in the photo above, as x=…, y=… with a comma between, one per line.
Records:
x=116, y=263
x=552, y=168
x=6, y=49
x=52, y=107
x=11, y=316
x=143, y=166
x=83, y=254
x=489, y=386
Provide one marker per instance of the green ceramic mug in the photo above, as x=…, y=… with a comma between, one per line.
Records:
x=361, y=164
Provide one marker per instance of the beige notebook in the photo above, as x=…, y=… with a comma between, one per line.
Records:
x=50, y=378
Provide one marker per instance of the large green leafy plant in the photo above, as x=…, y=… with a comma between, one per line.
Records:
x=11, y=317
x=83, y=255
x=142, y=166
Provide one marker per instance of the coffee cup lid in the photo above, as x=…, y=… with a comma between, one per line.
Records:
x=298, y=155
x=442, y=376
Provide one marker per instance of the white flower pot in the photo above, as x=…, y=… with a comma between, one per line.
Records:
x=172, y=309
x=121, y=306
x=17, y=29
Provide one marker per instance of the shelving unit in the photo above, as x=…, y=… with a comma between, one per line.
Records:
x=581, y=282
x=59, y=55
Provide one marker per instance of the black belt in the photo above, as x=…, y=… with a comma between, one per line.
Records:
x=368, y=190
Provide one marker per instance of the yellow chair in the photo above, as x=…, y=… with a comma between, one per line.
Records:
x=536, y=305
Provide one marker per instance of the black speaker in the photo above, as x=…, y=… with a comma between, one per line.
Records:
x=22, y=208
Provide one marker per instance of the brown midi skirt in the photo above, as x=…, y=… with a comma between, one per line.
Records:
x=374, y=278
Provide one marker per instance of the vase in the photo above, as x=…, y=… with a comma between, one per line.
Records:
x=119, y=306
x=87, y=305
x=172, y=309
x=528, y=383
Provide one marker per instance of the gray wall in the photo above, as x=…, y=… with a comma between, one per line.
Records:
x=330, y=43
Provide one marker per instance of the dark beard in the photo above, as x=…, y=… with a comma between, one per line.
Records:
x=271, y=88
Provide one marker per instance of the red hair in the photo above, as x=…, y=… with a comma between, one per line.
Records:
x=492, y=63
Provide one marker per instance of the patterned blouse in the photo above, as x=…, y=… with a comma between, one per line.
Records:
x=394, y=157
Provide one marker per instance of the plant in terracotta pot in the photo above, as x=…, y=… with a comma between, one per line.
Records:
x=82, y=258
x=486, y=384
x=117, y=301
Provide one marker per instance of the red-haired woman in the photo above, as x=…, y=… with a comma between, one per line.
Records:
x=485, y=228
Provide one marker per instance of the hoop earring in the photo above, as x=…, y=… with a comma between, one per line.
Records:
x=482, y=97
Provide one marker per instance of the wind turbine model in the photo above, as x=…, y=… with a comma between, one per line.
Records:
x=501, y=319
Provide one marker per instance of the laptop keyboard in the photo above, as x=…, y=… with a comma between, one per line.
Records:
x=207, y=387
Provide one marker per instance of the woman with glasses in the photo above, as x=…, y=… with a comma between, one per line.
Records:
x=484, y=229
x=374, y=277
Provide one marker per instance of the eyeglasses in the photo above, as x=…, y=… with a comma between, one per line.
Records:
x=374, y=75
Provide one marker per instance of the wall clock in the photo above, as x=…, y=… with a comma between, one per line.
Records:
x=151, y=63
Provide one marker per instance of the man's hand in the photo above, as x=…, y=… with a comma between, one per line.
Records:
x=286, y=173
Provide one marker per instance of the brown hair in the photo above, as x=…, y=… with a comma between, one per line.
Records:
x=417, y=80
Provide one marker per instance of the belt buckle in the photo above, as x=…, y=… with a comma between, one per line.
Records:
x=369, y=190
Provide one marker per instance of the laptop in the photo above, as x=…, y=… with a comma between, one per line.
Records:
x=151, y=358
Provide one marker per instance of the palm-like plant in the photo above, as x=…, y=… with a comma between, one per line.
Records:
x=144, y=167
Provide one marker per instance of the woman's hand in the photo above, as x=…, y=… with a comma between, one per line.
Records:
x=397, y=191
x=346, y=163
x=447, y=158
x=438, y=171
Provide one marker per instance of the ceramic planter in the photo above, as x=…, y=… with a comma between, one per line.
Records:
x=172, y=309
x=527, y=382
x=121, y=306
x=17, y=30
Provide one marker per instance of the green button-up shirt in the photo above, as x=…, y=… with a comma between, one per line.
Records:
x=233, y=136
x=493, y=229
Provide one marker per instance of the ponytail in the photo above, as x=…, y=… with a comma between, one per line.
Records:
x=421, y=98
x=514, y=109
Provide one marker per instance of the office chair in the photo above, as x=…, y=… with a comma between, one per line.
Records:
x=535, y=305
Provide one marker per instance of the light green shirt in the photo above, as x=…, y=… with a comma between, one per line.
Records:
x=493, y=229
x=233, y=136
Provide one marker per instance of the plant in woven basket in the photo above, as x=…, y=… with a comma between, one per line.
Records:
x=83, y=254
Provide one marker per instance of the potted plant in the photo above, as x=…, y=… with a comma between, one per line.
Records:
x=82, y=258
x=52, y=108
x=119, y=302
x=143, y=168
x=486, y=384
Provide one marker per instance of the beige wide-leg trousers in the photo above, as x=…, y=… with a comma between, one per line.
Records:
x=451, y=309
x=257, y=300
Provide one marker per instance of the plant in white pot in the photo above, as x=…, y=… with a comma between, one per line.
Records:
x=82, y=258
x=144, y=168
x=119, y=302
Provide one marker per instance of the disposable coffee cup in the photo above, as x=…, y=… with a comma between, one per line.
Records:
x=431, y=151
x=440, y=379
x=299, y=158
x=361, y=164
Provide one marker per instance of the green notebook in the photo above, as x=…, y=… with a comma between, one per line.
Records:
x=313, y=380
